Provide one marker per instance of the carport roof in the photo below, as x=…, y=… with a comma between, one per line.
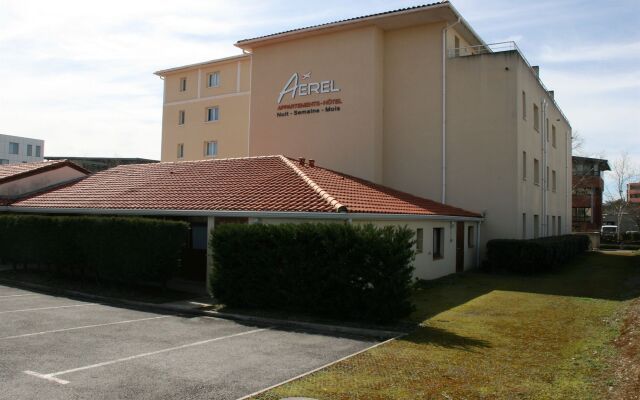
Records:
x=267, y=184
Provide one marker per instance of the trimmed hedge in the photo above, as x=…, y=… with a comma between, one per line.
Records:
x=132, y=250
x=534, y=255
x=331, y=270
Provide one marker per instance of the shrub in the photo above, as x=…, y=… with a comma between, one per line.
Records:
x=534, y=255
x=331, y=270
x=112, y=248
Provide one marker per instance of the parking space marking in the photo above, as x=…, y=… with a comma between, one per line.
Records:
x=82, y=327
x=48, y=308
x=52, y=376
x=19, y=295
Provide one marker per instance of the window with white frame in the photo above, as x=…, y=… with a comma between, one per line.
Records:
x=211, y=149
x=213, y=79
x=438, y=243
x=14, y=148
x=38, y=151
x=213, y=114
x=419, y=240
x=29, y=149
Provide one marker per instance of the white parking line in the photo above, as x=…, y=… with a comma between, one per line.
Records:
x=82, y=327
x=52, y=376
x=19, y=295
x=48, y=308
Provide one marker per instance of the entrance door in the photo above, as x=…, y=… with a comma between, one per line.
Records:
x=460, y=247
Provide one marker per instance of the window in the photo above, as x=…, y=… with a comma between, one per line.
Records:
x=471, y=237
x=546, y=131
x=419, y=240
x=183, y=85
x=524, y=225
x=211, y=149
x=553, y=225
x=524, y=105
x=213, y=114
x=582, y=191
x=14, y=148
x=3, y=161
x=438, y=243
x=559, y=225
x=213, y=79
x=456, y=46
x=536, y=226
x=536, y=171
x=553, y=136
x=554, y=181
x=524, y=165
x=582, y=214
x=181, y=117
x=38, y=151
x=536, y=118
x=180, y=150
x=546, y=229
x=29, y=149
x=546, y=178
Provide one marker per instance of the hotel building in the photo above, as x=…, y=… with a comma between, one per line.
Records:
x=412, y=99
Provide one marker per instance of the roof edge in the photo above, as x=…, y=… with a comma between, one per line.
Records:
x=44, y=168
x=339, y=207
x=164, y=72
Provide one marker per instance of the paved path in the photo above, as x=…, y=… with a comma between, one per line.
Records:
x=58, y=348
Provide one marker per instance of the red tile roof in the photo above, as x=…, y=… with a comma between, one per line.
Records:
x=10, y=172
x=270, y=183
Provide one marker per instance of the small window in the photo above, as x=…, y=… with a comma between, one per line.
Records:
x=554, y=181
x=180, y=150
x=524, y=225
x=213, y=79
x=29, y=149
x=183, y=85
x=213, y=114
x=546, y=131
x=559, y=225
x=181, y=117
x=536, y=118
x=419, y=240
x=553, y=225
x=211, y=149
x=524, y=105
x=536, y=226
x=553, y=136
x=524, y=165
x=438, y=243
x=471, y=237
x=536, y=171
x=14, y=148
x=38, y=151
x=546, y=179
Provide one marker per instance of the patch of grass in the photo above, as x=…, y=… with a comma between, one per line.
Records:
x=486, y=336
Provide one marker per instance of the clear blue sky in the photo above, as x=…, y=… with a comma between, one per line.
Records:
x=79, y=73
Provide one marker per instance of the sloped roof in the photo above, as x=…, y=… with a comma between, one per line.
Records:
x=269, y=184
x=10, y=172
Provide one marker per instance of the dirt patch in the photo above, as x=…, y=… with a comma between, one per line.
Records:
x=627, y=363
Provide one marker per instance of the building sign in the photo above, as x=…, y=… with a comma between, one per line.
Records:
x=296, y=87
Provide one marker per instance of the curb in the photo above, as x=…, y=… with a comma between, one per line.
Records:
x=325, y=328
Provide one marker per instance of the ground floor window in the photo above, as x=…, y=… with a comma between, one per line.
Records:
x=438, y=243
x=419, y=240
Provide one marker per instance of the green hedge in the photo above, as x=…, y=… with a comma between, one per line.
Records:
x=534, y=255
x=331, y=270
x=110, y=248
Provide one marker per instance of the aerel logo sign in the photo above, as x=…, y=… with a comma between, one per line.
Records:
x=295, y=87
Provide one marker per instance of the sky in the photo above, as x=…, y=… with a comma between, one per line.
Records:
x=79, y=74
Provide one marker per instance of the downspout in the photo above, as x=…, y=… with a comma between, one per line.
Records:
x=444, y=109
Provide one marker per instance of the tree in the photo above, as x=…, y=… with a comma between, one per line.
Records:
x=577, y=143
x=623, y=172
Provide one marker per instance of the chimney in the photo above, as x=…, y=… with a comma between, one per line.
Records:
x=312, y=163
x=551, y=93
x=536, y=70
x=301, y=161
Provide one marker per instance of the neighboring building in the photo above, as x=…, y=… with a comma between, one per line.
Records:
x=16, y=149
x=633, y=193
x=586, y=200
x=24, y=179
x=268, y=190
x=96, y=164
x=412, y=99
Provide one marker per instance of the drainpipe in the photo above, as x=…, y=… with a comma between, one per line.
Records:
x=444, y=109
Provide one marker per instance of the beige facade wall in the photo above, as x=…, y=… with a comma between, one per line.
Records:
x=231, y=96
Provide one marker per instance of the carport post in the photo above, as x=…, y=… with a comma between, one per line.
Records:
x=211, y=223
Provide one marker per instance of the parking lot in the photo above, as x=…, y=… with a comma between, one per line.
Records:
x=60, y=348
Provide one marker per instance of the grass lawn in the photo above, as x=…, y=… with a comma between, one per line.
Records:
x=487, y=336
